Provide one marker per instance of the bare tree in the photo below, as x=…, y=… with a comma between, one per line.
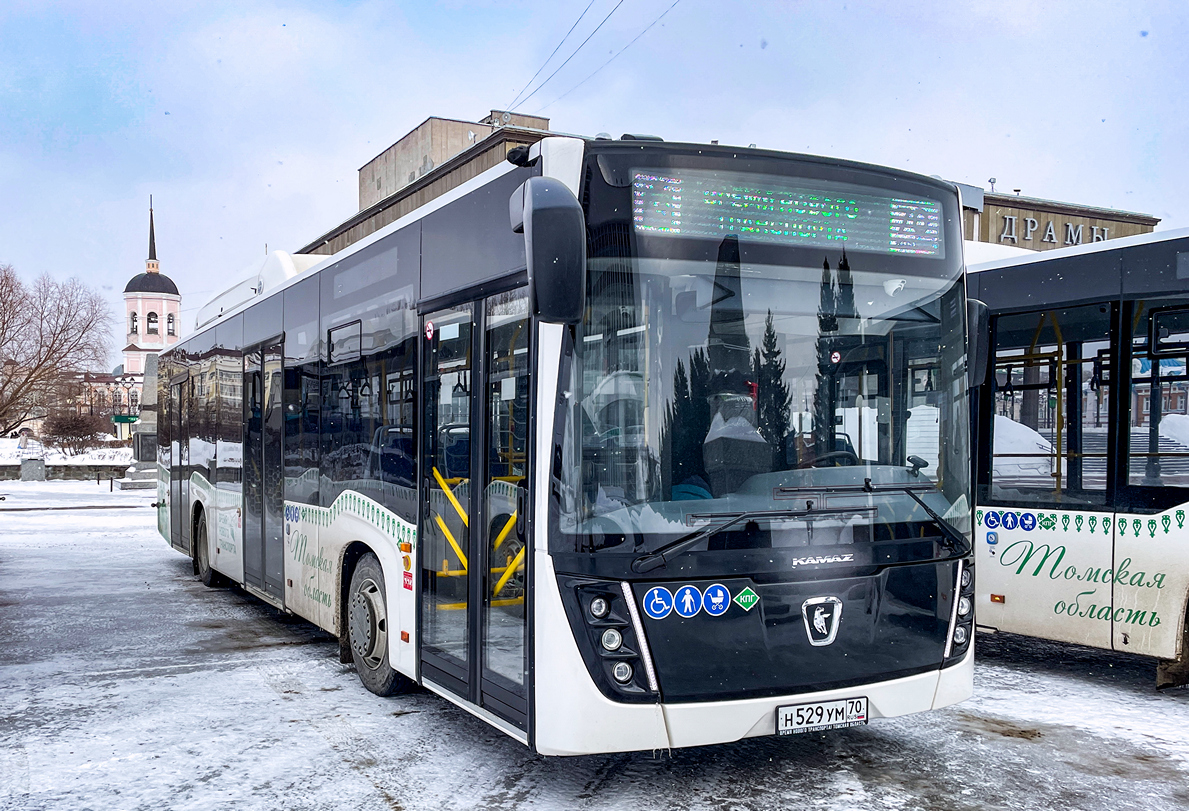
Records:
x=49, y=332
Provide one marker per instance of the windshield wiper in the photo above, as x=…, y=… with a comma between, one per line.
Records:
x=955, y=541
x=659, y=557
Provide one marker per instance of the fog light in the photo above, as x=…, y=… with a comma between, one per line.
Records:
x=599, y=608
x=967, y=577
x=622, y=672
x=960, y=635
x=964, y=607
x=612, y=639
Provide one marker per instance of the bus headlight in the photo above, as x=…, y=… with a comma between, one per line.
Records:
x=963, y=607
x=967, y=578
x=599, y=608
x=611, y=639
x=960, y=635
x=622, y=672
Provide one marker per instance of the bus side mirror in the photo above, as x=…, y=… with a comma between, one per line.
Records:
x=978, y=342
x=550, y=217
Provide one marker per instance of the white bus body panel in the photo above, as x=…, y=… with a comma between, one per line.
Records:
x=725, y=721
x=572, y=716
x=1100, y=579
x=316, y=541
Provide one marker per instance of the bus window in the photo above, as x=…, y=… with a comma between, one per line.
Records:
x=1158, y=433
x=1051, y=386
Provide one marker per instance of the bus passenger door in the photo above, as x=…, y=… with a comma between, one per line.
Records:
x=273, y=428
x=179, y=469
x=253, y=468
x=502, y=611
x=474, y=484
x=446, y=502
x=263, y=497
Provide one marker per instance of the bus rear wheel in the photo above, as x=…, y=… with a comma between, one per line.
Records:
x=367, y=629
x=202, y=557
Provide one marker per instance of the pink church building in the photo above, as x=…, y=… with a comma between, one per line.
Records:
x=152, y=311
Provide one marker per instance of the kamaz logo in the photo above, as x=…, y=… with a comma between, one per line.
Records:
x=819, y=559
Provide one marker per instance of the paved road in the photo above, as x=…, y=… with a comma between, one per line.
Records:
x=125, y=684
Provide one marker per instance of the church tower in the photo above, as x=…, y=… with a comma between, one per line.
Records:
x=152, y=310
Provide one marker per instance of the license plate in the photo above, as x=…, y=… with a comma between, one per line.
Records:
x=798, y=718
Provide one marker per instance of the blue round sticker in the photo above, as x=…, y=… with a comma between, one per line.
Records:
x=1010, y=521
x=716, y=600
x=1027, y=522
x=991, y=519
x=658, y=602
x=687, y=601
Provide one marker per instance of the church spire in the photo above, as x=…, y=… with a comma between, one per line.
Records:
x=151, y=266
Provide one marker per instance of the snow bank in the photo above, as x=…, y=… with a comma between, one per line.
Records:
x=1012, y=437
x=11, y=454
x=1176, y=428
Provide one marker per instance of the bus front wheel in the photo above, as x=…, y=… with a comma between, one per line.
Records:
x=367, y=629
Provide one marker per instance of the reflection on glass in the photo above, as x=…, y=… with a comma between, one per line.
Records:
x=507, y=468
x=1158, y=435
x=446, y=552
x=710, y=388
x=1051, y=398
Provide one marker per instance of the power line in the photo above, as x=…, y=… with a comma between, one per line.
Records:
x=512, y=103
x=571, y=56
x=609, y=61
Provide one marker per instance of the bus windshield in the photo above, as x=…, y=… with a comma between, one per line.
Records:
x=722, y=390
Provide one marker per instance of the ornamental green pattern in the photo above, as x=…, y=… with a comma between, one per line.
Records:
x=1093, y=522
x=1077, y=522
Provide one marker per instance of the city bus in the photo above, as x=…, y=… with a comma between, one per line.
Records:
x=1083, y=448
x=619, y=445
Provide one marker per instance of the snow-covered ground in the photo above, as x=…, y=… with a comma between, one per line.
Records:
x=11, y=454
x=125, y=684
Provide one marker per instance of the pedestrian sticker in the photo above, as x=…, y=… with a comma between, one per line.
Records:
x=658, y=602
x=716, y=600
x=992, y=520
x=688, y=601
x=747, y=599
x=1027, y=522
x=1010, y=521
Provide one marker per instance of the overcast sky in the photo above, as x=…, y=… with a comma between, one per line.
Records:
x=247, y=122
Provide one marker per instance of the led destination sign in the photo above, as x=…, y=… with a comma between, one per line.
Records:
x=771, y=209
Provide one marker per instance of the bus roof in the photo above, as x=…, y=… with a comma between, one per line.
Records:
x=1145, y=265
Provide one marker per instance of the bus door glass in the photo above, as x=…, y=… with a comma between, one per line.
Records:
x=445, y=554
x=1045, y=538
x=253, y=472
x=273, y=429
x=1150, y=576
x=179, y=486
x=505, y=487
x=263, y=498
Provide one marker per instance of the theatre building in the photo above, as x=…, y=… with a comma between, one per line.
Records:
x=1043, y=225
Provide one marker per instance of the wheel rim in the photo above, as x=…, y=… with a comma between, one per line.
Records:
x=368, y=623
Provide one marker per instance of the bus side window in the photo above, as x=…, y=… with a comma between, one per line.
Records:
x=1158, y=430
x=1051, y=401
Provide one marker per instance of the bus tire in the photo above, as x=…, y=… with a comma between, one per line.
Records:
x=367, y=629
x=202, y=556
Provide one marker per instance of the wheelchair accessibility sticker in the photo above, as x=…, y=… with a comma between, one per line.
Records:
x=658, y=602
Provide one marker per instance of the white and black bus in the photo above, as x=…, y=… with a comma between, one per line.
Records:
x=1083, y=448
x=619, y=445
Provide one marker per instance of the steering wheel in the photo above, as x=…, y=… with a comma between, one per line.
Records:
x=843, y=454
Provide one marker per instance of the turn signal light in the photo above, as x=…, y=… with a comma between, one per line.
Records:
x=998, y=598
